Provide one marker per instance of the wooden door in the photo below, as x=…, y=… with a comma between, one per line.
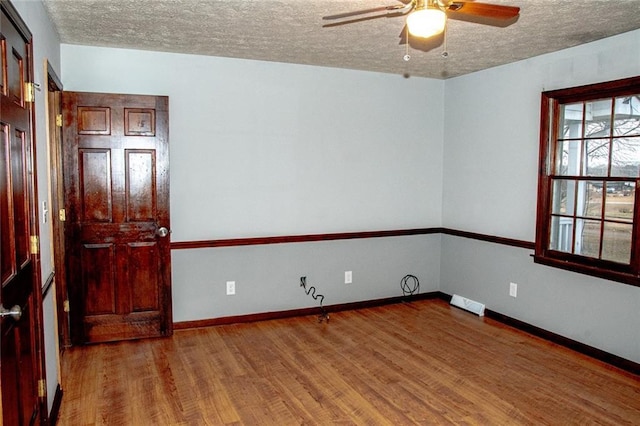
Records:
x=19, y=263
x=116, y=173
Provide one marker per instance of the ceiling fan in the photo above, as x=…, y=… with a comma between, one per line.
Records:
x=427, y=18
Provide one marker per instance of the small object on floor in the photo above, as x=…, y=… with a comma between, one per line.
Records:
x=323, y=317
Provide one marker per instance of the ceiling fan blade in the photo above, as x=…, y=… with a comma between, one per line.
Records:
x=351, y=21
x=485, y=10
x=363, y=12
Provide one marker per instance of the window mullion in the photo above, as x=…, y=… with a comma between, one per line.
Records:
x=612, y=125
x=602, y=210
x=635, y=250
x=576, y=192
x=583, y=142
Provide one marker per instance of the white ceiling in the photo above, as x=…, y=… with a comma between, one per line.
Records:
x=291, y=31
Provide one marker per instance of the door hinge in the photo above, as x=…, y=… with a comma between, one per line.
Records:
x=59, y=120
x=42, y=388
x=65, y=306
x=29, y=92
x=62, y=215
x=35, y=244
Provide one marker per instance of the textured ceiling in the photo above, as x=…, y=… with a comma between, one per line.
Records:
x=291, y=31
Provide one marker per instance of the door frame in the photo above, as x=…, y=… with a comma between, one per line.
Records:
x=53, y=96
x=53, y=108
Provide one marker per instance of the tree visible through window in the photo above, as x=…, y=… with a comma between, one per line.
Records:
x=588, y=203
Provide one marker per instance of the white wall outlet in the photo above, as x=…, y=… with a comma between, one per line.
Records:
x=231, y=288
x=513, y=289
x=348, y=277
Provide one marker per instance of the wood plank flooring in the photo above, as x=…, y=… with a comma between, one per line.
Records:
x=422, y=362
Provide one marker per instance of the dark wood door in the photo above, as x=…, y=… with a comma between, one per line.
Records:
x=19, y=270
x=116, y=173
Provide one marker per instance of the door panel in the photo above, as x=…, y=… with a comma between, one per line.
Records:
x=116, y=184
x=141, y=180
x=19, y=274
x=144, y=295
x=20, y=200
x=7, y=259
x=99, y=278
x=16, y=71
x=95, y=185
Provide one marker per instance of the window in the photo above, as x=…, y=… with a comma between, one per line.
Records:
x=589, y=181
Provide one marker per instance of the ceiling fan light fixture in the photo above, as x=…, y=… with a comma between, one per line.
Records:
x=427, y=22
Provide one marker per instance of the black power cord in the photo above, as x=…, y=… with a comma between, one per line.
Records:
x=409, y=285
x=324, y=315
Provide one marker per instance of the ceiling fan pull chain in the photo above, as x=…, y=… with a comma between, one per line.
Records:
x=406, y=57
x=445, y=52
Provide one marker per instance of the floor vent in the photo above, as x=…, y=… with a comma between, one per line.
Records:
x=468, y=305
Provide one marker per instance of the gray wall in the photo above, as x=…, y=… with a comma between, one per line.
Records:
x=268, y=277
x=599, y=313
x=490, y=187
x=268, y=149
x=264, y=149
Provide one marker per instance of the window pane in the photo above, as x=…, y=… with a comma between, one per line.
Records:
x=597, y=158
x=625, y=157
x=568, y=158
x=619, y=202
x=563, y=197
x=561, y=233
x=616, y=243
x=589, y=199
x=570, y=121
x=627, y=116
x=587, y=238
x=598, y=118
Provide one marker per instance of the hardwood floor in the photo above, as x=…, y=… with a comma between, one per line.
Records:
x=416, y=363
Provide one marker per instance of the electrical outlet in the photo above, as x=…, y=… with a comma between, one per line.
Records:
x=348, y=277
x=513, y=289
x=231, y=288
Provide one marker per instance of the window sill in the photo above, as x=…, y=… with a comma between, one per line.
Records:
x=621, y=277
